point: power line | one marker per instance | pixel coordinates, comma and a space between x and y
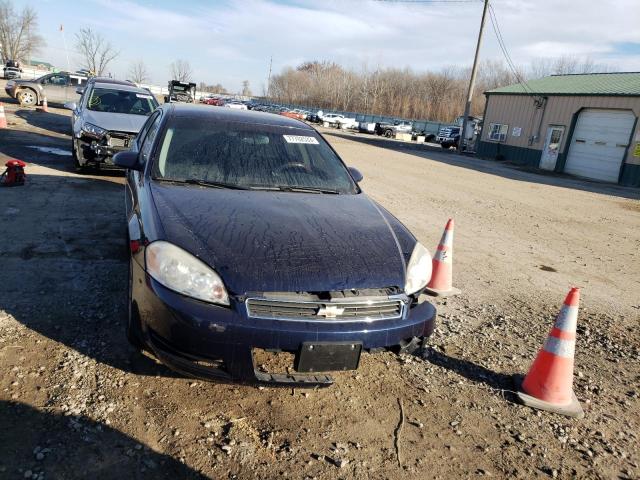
428, 1
502, 44
505, 51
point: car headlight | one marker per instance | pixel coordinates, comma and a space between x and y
182, 272
93, 131
418, 270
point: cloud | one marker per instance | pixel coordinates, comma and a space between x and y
227, 41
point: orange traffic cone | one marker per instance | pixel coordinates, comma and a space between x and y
3, 118
45, 105
441, 283
549, 383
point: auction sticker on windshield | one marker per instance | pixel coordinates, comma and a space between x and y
300, 139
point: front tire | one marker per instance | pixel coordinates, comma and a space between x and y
27, 97
134, 328
80, 168
388, 133
74, 156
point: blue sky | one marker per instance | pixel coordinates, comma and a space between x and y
230, 41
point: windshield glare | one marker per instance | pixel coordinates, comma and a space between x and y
250, 156
121, 101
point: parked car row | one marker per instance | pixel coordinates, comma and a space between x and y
218, 101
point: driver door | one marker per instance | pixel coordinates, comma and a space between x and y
55, 87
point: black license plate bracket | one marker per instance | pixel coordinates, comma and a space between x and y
328, 356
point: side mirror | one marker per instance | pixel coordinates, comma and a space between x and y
355, 173
70, 105
128, 160
80, 90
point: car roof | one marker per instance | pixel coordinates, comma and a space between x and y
111, 81
189, 110
127, 87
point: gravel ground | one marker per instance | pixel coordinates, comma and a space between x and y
77, 402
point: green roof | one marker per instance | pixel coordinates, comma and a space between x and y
625, 83
38, 62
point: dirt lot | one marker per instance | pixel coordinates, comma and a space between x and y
77, 402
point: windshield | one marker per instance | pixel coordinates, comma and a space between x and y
251, 156
180, 88
121, 101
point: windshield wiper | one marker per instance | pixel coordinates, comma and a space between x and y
287, 188
205, 183
278, 188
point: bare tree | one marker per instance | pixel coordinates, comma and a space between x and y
181, 70
18, 32
246, 90
96, 52
138, 72
435, 95
387, 91
217, 88
564, 65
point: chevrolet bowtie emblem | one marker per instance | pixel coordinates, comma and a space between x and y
330, 311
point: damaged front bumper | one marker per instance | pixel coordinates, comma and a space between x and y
101, 151
216, 342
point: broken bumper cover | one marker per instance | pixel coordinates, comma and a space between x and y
215, 342
99, 151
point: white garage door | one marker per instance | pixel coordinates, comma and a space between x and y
598, 144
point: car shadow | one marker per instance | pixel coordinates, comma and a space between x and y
50, 150
473, 372
492, 167
76, 447
64, 266
8, 100
54, 122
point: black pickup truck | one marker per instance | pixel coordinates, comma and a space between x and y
390, 129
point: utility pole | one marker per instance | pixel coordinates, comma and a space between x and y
472, 80
269, 78
64, 40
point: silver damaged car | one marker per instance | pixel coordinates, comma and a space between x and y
106, 119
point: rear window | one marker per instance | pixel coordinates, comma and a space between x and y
121, 101
249, 156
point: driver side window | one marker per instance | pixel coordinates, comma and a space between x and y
146, 145
143, 131
59, 80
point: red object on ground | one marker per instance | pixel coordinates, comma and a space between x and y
441, 283
14, 174
549, 383
45, 105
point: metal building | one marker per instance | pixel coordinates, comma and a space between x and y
582, 124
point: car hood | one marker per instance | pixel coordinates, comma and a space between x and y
118, 122
263, 241
23, 81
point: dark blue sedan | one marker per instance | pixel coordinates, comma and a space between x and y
248, 232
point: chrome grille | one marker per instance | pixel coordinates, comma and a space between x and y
318, 311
